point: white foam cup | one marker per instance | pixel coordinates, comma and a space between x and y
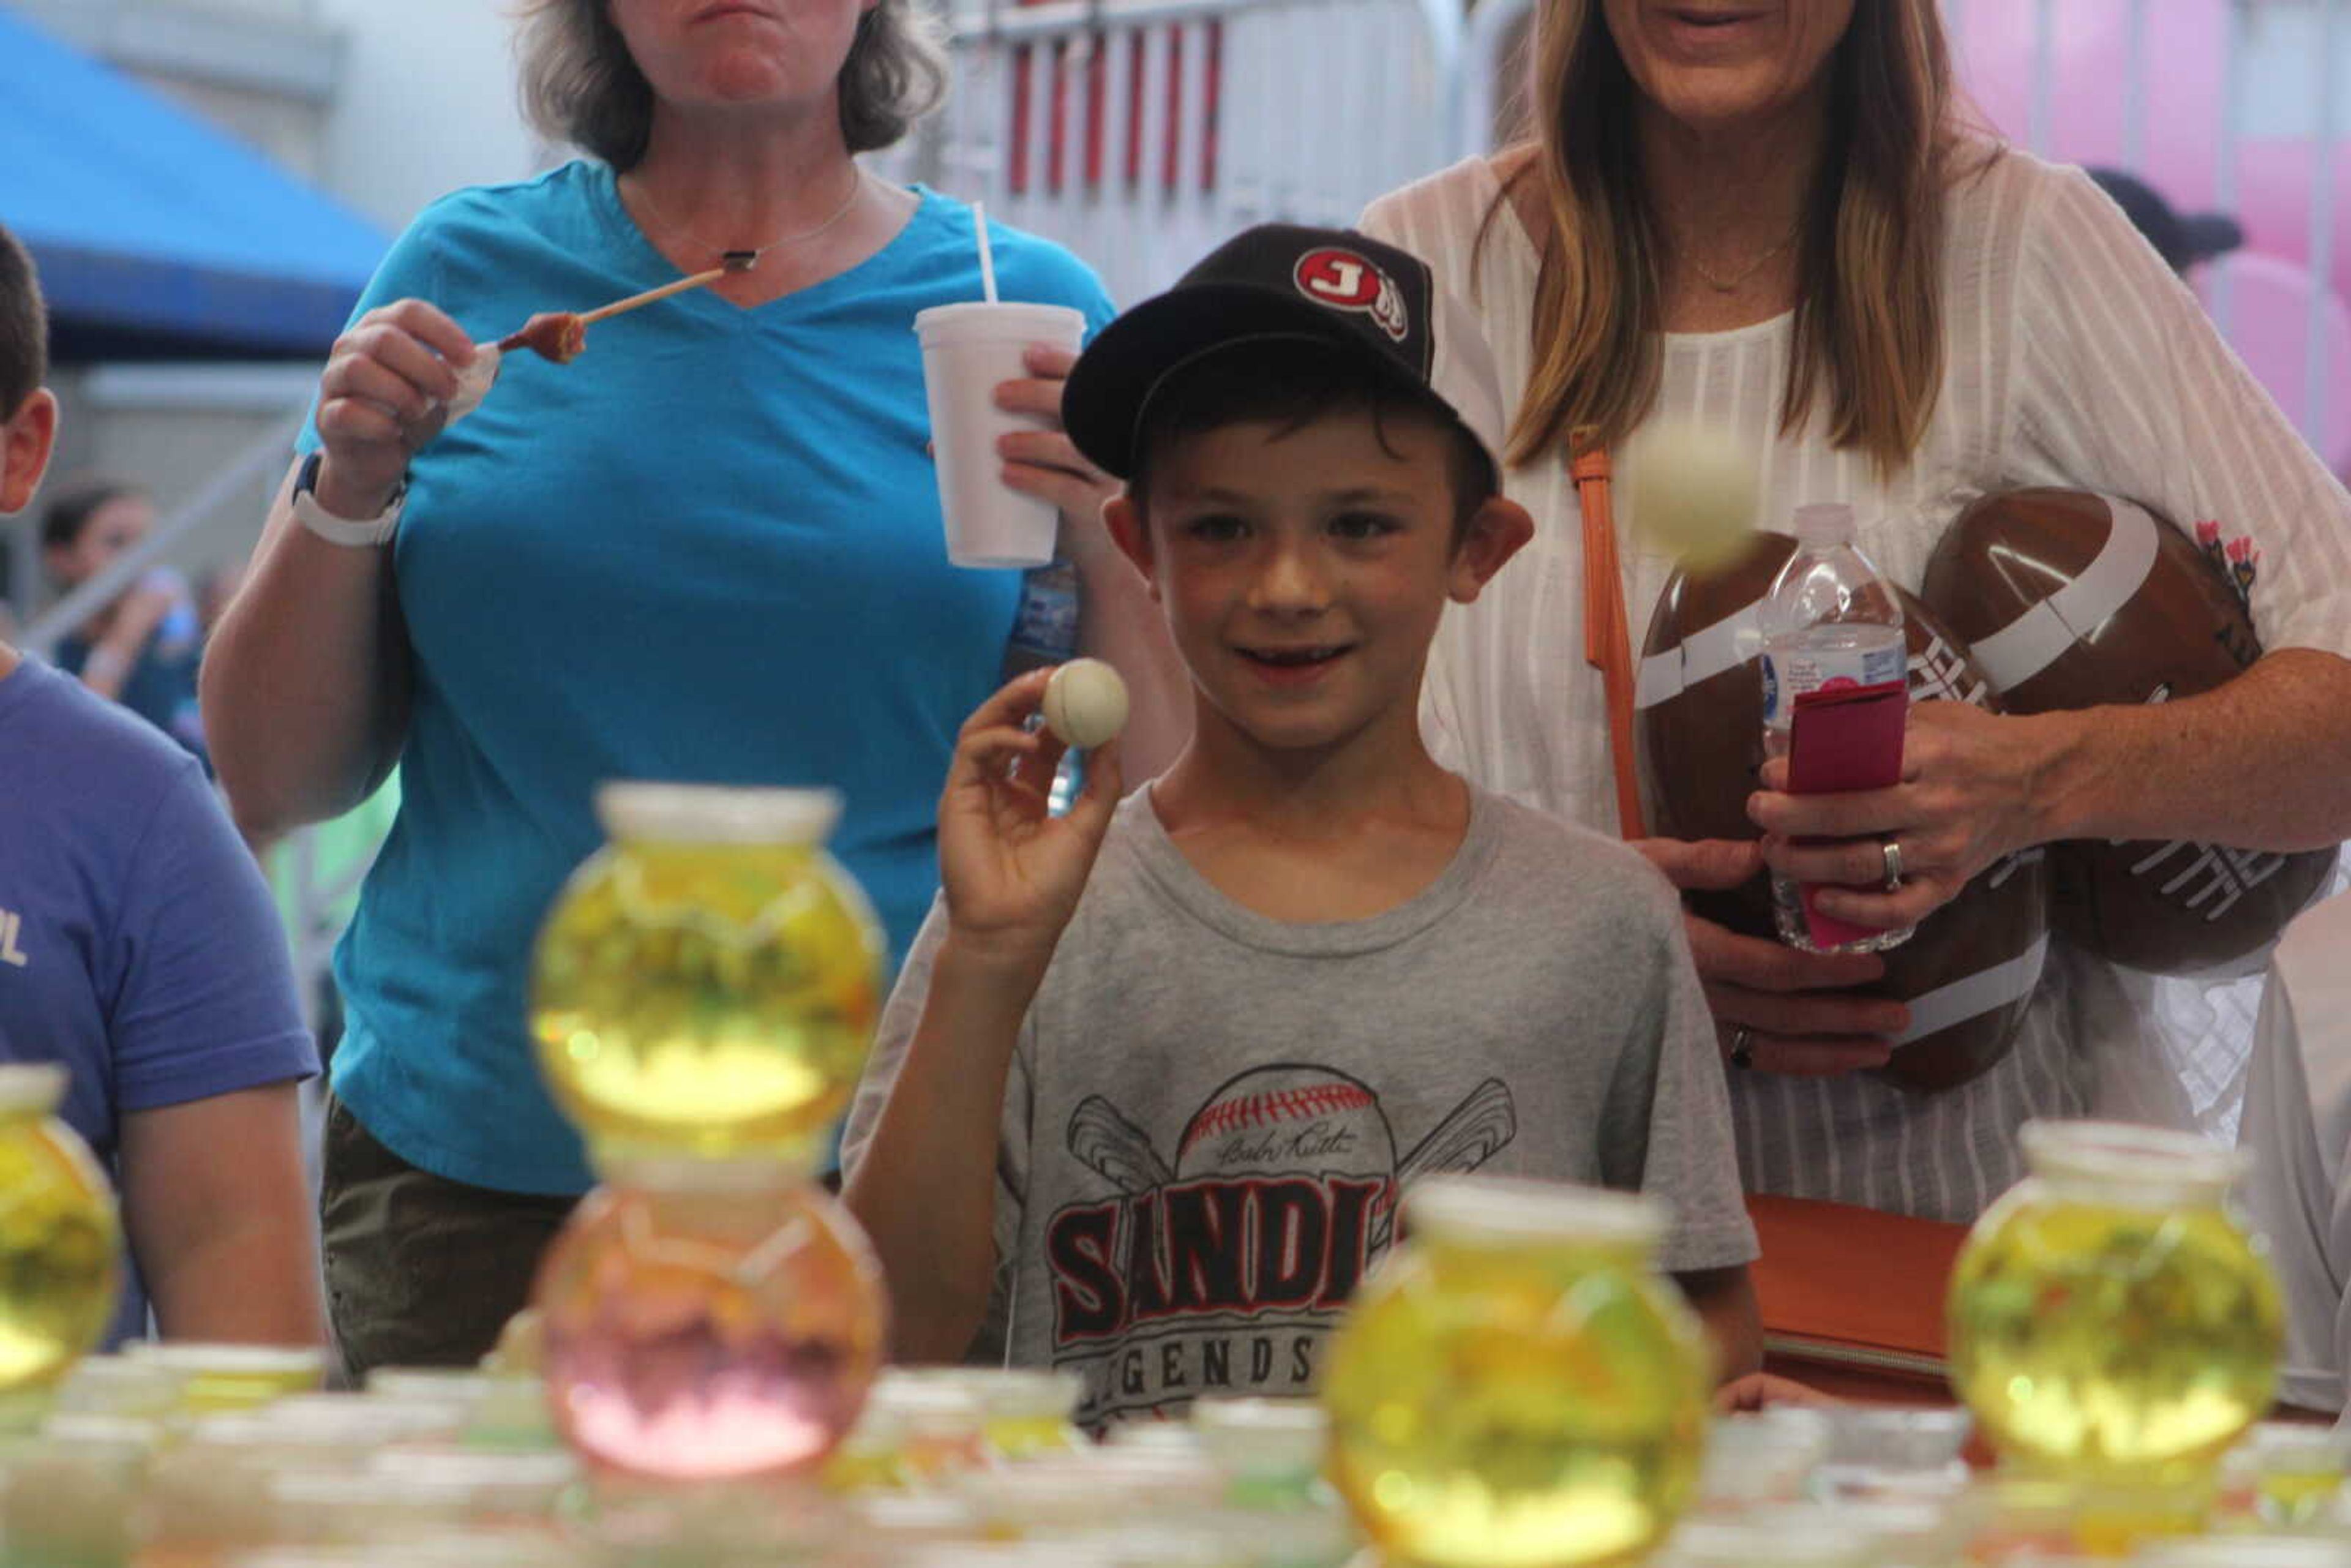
968, 351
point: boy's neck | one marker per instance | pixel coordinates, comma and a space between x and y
1346, 833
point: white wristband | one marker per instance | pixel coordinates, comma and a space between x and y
363, 534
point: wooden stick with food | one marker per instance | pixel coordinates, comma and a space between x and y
561, 335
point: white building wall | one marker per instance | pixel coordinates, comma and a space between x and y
425, 104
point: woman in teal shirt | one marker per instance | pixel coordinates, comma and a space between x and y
710, 549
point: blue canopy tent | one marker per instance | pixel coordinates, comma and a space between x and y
159, 236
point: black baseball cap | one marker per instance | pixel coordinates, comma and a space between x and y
2182, 240
1285, 282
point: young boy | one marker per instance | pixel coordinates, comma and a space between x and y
1146, 1116
138, 949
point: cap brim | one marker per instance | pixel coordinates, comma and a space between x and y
1113, 379
2203, 236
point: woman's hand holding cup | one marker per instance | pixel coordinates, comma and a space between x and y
1045, 462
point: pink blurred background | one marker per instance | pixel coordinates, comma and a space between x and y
2274, 311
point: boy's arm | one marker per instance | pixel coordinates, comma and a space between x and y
1669, 1134
207, 1043
924, 1186
218, 1210
923, 1182
1724, 1300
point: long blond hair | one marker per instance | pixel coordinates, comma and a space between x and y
1868, 320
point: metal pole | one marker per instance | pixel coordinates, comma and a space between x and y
2044, 74
2232, 126
2322, 216
93, 595
2134, 86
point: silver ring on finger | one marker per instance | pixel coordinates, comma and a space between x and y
1742, 1048
1891, 849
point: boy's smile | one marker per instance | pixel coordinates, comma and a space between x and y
1303, 570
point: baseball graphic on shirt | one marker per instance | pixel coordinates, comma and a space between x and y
1220, 1271
1305, 1120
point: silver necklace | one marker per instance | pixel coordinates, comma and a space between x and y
1722, 285
742, 260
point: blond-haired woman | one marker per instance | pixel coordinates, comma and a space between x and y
710, 549
1767, 214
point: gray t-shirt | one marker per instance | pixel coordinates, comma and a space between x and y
1210, 1112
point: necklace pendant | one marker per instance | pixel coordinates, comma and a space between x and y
741, 260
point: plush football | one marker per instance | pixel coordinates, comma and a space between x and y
2069, 600
1971, 968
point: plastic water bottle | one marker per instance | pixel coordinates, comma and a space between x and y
1829, 623
178, 634
1045, 633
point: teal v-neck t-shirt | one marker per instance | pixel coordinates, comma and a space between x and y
708, 549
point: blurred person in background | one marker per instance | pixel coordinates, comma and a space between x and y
710, 551
143, 649
2183, 240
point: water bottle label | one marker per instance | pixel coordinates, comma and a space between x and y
1045, 630
1790, 673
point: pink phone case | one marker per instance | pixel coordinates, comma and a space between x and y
1840, 741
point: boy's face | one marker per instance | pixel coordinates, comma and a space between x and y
114, 528
1303, 571
24, 442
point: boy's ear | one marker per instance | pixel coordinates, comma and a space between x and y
26, 441
1133, 535
1497, 531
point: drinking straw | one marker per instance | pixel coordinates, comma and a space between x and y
987, 256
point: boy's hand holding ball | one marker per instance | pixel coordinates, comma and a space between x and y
1012, 870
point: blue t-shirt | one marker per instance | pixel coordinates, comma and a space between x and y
138, 943
708, 549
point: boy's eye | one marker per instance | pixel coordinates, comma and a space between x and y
1216, 528
1362, 525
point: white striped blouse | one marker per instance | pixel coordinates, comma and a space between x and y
2073, 358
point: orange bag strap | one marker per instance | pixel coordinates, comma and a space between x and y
1607, 636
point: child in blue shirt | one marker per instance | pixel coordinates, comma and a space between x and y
138, 947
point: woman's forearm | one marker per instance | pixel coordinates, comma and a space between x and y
108, 666
305, 684
2263, 763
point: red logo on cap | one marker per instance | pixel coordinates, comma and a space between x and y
1345, 280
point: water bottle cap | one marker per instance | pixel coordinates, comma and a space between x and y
1824, 523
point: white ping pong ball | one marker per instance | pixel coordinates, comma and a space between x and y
1693, 489
1085, 703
